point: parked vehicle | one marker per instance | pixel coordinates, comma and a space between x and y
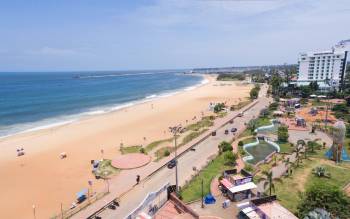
231, 121
226, 132
213, 133
240, 114
234, 130
171, 164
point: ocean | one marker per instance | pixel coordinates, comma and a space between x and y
37, 100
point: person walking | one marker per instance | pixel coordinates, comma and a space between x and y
137, 179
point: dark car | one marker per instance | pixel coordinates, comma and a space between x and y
171, 164
234, 130
213, 133
226, 132
231, 121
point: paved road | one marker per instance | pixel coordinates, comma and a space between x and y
198, 158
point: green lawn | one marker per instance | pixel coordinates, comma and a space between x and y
160, 153
204, 123
241, 104
192, 191
263, 121
245, 133
155, 144
191, 136
288, 191
130, 149
249, 140
105, 169
285, 147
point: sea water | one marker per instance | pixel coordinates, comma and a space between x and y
37, 100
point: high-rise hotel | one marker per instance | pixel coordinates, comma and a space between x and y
326, 67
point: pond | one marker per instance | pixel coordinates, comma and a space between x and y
259, 150
268, 129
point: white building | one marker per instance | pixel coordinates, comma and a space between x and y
326, 66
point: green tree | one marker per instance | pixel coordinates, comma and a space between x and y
297, 152
325, 196
282, 133
231, 158
313, 86
252, 125
305, 91
224, 146
288, 165
254, 93
276, 82
269, 181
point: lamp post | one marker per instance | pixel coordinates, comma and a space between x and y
175, 130
34, 211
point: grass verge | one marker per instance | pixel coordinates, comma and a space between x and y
193, 189
105, 169
288, 191
130, 149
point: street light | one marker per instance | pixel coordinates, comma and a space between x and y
34, 211
175, 130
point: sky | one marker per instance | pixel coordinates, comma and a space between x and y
74, 35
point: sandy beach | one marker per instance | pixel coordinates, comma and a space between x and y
42, 179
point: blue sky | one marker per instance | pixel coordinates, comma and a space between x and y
164, 34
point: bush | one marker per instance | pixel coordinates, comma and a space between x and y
166, 153
254, 93
273, 106
219, 107
225, 146
248, 167
231, 157
240, 143
142, 150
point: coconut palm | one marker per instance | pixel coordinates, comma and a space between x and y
269, 181
301, 142
288, 164
297, 152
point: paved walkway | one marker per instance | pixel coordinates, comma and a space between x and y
154, 175
131, 161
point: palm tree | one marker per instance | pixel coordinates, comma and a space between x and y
288, 164
268, 181
297, 151
301, 142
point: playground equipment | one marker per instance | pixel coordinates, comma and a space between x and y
337, 152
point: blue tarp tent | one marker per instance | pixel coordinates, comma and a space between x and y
81, 196
344, 155
209, 199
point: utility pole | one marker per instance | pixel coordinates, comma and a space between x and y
175, 130
202, 195
61, 211
34, 212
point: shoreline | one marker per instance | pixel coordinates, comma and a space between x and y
96, 111
40, 177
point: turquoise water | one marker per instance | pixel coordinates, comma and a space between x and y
31, 100
260, 151
266, 131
